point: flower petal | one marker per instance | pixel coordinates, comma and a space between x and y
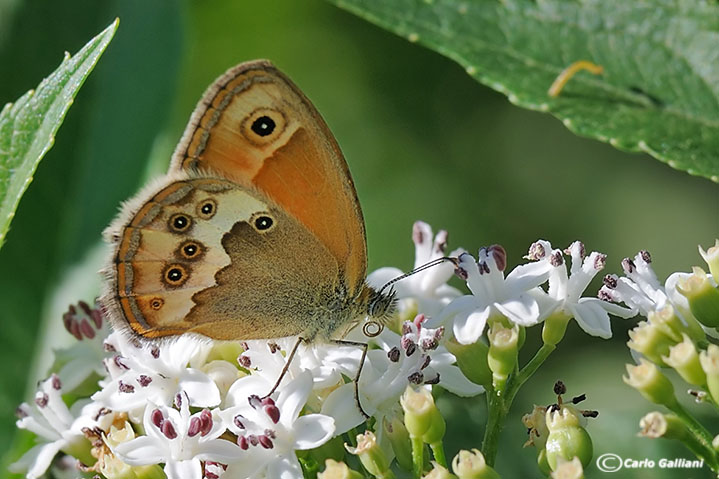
522, 310
592, 318
141, 451
527, 276
284, 467
468, 326
341, 406
293, 397
189, 469
37, 460
313, 430
221, 450
452, 379
200, 388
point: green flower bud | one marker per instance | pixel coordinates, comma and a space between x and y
650, 382
555, 326
399, 439
651, 341
655, 425
419, 409
674, 326
702, 295
471, 465
567, 437
711, 256
683, 357
709, 360
439, 472
338, 470
502, 357
371, 455
472, 360
569, 470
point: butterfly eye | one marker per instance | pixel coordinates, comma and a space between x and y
263, 222
263, 126
190, 250
175, 275
157, 303
179, 223
207, 209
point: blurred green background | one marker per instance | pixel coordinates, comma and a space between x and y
423, 141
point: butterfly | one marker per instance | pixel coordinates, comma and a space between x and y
255, 232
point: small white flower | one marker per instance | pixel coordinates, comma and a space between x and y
327, 362
428, 288
155, 374
494, 294
54, 424
416, 357
639, 289
84, 358
566, 290
180, 441
274, 430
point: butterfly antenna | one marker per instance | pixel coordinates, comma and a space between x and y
451, 259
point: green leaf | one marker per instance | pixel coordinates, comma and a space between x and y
28, 127
659, 92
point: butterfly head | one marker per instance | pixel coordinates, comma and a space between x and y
381, 305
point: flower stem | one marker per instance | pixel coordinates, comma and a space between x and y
438, 452
417, 456
496, 412
499, 404
699, 432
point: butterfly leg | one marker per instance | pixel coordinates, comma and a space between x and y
286, 368
364, 347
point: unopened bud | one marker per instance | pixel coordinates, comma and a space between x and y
655, 425
683, 357
421, 416
711, 256
703, 297
502, 357
709, 360
650, 340
439, 472
370, 455
338, 470
471, 465
650, 382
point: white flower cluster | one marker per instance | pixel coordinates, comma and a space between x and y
199, 409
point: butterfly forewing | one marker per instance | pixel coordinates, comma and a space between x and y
255, 127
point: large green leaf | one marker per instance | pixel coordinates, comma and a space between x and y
660, 89
28, 127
